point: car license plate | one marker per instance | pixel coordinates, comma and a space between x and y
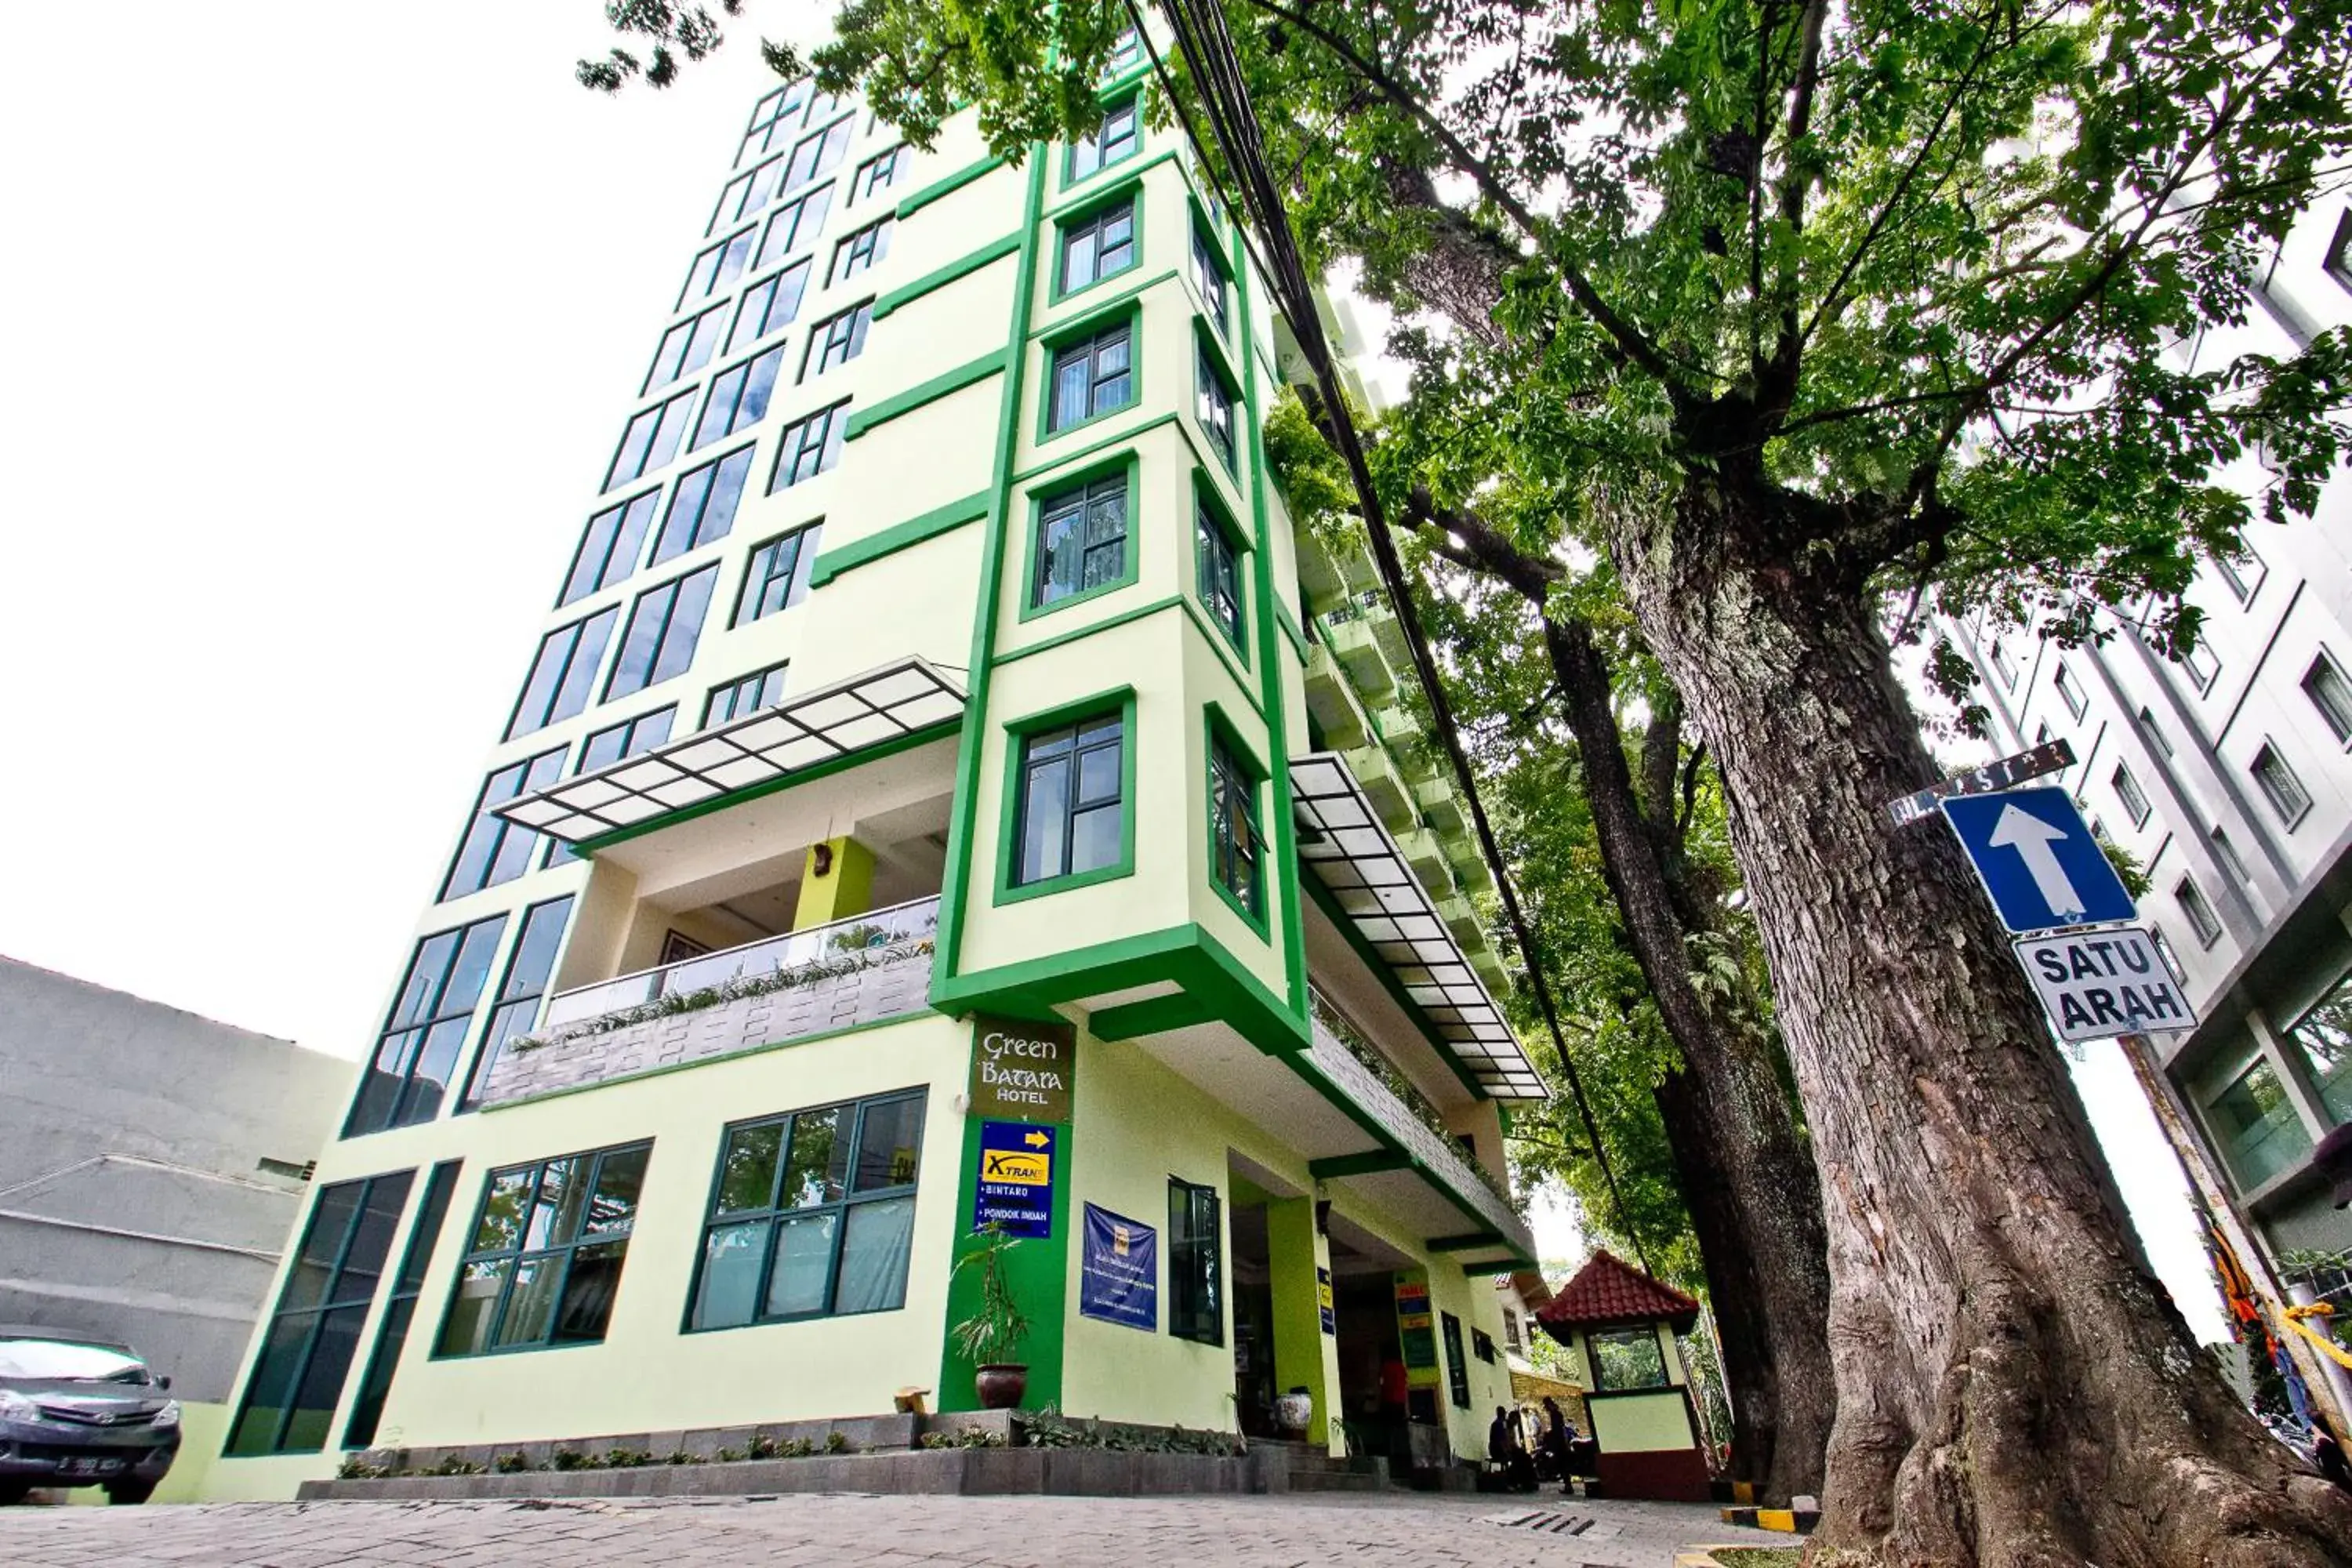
89, 1467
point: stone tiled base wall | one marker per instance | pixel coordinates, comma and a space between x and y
898, 983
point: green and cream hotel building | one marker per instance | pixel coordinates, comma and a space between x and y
940, 753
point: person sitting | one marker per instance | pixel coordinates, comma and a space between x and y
1507, 1453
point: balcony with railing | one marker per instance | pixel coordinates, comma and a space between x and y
858, 971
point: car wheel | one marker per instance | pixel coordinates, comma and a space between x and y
14, 1492
124, 1493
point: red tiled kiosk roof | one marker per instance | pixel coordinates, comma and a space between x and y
1608, 1291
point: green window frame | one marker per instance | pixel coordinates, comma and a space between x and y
1091, 377
425, 1033
835, 341
305, 1354
1119, 138
1213, 406
1101, 243
1236, 838
400, 1307
1220, 554
811, 1214
544, 1261
1196, 1262
860, 250
776, 576
742, 698
809, 447
1209, 277
1069, 798
524, 985
1079, 545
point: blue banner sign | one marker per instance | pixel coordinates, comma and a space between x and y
1118, 1271
1016, 1191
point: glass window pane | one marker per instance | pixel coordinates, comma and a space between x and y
1043, 814
1099, 774
2256, 1125
530, 1305
322, 1243
874, 1250
563, 1203
1095, 838
588, 1291
466, 1331
270, 1389
804, 1260
729, 1294
313, 1410
371, 1246
889, 1144
814, 1170
619, 1178
747, 1174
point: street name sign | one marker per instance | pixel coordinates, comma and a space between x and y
2101, 983
2046, 758
2038, 860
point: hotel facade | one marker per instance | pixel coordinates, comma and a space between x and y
948, 797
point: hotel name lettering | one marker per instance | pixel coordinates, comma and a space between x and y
1022, 1070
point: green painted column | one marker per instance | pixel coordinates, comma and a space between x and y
1304, 1355
836, 882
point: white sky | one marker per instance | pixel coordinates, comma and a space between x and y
370, 301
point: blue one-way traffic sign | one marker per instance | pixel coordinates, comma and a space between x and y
2038, 860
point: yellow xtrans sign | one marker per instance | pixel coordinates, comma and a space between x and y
1020, 1166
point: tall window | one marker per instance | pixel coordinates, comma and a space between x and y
862, 250
1072, 809
2004, 666
650, 441
1457, 1369
629, 738
837, 340
879, 173
2203, 669
702, 507
813, 1214
418, 1049
741, 698
1217, 407
527, 969
716, 267
769, 306
1235, 850
1220, 574
2331, 694
665, 624
400, 1307
687, 348
2154, 732
2242, 574
313, 1335
544, 1262
609, 546
739, 397
2127, 790
496, 850
2227, 854
1125, 51
795, 225
1081, 539
1112, 141
775, 118
776, 578
2280, 786
1095, 246
2070, 690
817, 151
1210, 274
2197, 911
1091, 377
809, 446
746, 194
563, 674
1196, 1272
2255, 1124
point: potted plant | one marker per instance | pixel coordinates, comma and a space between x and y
990, 1337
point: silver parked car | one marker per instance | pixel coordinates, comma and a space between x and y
77, 1412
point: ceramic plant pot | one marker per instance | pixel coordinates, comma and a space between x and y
1293, 1411
1001, 1387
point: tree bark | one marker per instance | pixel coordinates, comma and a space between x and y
1746, 1176
2012, 1388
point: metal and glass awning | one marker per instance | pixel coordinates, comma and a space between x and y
893, 703
1343, 845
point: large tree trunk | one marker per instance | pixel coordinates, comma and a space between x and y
2012, 1388
1745, 1175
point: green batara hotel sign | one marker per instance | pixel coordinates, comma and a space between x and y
1022, 1070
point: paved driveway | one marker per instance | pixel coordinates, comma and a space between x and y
1373, 1531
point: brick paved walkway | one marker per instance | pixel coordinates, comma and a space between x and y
1381, 1530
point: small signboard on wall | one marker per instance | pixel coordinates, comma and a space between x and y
1118, 1270
1323, 1301
1022, 1071
1015, 1187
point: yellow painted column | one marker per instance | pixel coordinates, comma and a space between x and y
836, 882
1304, 1355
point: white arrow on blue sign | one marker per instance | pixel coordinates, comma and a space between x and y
2038, 860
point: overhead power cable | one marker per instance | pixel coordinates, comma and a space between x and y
1208, 52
